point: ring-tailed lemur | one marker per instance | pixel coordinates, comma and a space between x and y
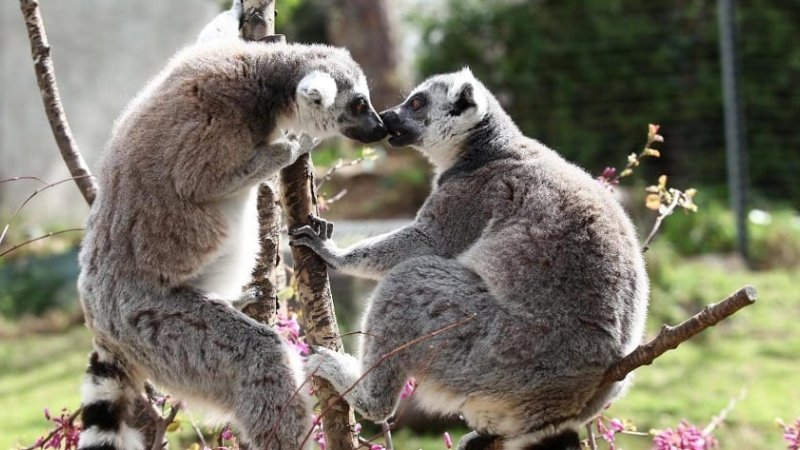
172, 236
532, 248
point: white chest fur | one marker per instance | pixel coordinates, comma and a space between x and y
230, 268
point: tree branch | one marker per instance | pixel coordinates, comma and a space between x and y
297, 183
258, 22
671, 337
43, 65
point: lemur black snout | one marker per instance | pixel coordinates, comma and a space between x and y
388, 117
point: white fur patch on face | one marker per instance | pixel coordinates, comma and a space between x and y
318, 88
361, 86
460, 79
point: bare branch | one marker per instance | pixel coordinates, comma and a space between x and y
25, 202
258, 22
24, 177
45, 76
590, 436
45, 236
311, 272
379, 361
671, 337
387, 435
161, 427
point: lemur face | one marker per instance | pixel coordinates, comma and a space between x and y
329, 106
438, 115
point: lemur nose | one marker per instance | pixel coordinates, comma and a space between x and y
388, 115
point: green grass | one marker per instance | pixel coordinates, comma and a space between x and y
757, 350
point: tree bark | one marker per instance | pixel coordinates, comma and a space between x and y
258, 22
45, 77
311, 272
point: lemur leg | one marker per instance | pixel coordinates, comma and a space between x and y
433, 300
204, 349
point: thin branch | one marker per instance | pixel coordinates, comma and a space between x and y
676, 197
45, 76
339, 165
380, 360
40, 443
30, 241
24, 177
25, 202
198, 432
161, 427
387, 435
671, 337
719, 418
590, 436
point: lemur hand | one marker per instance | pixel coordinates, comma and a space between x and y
317, 237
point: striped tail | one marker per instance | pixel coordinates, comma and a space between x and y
108, 398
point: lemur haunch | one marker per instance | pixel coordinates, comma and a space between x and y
540, 256
172, 237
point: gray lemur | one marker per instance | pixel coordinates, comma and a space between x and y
535, 261
172, 237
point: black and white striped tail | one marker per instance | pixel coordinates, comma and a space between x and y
107, 397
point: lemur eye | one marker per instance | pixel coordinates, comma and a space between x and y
417, 103
359, 106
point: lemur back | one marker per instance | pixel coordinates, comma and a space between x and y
171, 239
530, 267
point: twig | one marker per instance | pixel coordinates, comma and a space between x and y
161, 427
25, 202
719, 418
676, 197
45, 236
671, 337
590, 436
339, 165
387, 435
45, 76
41, 442
383, 358
198, 432
24, 177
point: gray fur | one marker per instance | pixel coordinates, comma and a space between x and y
543, 260
172, 236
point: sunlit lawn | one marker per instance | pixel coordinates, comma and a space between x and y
757, 351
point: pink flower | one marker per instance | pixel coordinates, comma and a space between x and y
408, 388
685, 437
376, 447
791, 434
448, 442
226, 434
357, 428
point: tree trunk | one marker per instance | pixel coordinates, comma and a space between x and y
311, 272
258, 22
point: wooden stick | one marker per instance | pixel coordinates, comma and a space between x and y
45, 76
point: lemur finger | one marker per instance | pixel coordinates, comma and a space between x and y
319, 225
303, 242
329, 230
304, 231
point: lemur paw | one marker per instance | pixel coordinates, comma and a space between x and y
308, 143
340, 369
323, 228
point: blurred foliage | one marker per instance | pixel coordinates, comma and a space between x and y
33, 284
583, 76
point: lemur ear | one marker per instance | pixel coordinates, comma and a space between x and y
317, 88
463, 94
465, 99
